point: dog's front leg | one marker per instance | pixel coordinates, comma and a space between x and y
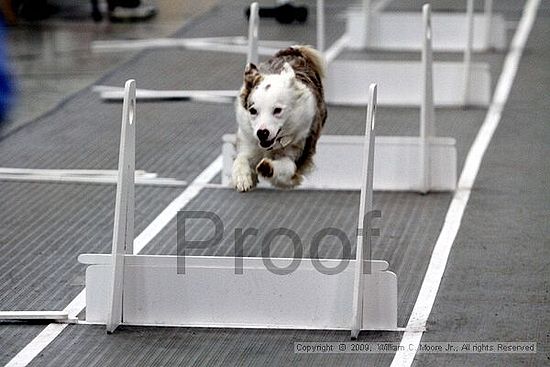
244, 178
281, 172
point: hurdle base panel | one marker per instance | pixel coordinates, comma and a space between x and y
210, 294
397, 163
403, 31
401, 83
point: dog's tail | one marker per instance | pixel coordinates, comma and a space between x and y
314, 57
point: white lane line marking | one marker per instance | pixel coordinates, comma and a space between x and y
170, 212
440, 255
37, 345
46, 336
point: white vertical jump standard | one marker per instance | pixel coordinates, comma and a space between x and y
123, 231
402, 81
399, 30
147, 290
252, 49
253, 34
320, 26
468, 52
363, 244
427, 113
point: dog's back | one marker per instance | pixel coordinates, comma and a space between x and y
308, 64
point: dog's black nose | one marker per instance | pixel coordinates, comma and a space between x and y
263, 134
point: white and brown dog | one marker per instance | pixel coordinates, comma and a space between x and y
280, 114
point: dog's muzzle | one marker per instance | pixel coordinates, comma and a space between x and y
262, 137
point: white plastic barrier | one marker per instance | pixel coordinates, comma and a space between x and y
401, 31
210, 294
397, 160
454, 83
401, 82
147, 290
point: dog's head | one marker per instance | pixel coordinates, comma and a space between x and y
268, 100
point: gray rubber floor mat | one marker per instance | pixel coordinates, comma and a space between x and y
139, 346
179, 140
46, 226
14, 337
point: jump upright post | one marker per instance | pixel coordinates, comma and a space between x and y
123, 231
468, 51
427, 114
363, 246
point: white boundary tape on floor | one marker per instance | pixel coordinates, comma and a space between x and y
442, 249
77, 305
36, 346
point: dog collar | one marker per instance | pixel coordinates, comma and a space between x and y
284, 141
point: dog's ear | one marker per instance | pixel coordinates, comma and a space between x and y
252, 77
250, 73
288, 72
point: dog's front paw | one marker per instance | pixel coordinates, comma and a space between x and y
243, 183
265, 168
243, 180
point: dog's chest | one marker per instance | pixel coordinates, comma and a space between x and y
292, 151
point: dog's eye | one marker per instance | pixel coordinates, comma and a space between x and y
277, 110
252, 111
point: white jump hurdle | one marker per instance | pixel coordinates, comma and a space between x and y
147, 290
402, 163
402, 81
455, 83
400, 31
